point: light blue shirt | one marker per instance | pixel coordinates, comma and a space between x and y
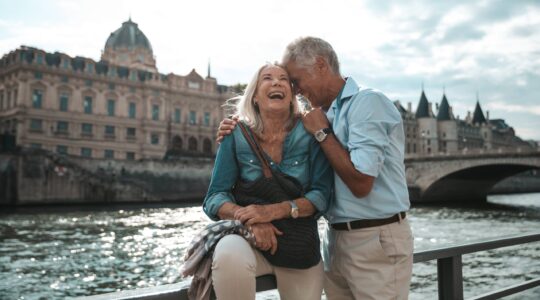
370, 128
302, 159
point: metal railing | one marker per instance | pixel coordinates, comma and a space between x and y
449, 274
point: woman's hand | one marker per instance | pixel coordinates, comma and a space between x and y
253, 214
265, 237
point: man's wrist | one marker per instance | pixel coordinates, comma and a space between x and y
321, 134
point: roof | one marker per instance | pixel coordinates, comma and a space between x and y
478, 115
128, 36
422, 111
444, 110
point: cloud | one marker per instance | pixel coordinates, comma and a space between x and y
506, 107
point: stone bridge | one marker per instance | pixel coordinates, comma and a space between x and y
463, 177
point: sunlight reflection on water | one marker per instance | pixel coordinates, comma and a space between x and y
73, 253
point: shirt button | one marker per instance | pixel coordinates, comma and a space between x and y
251, 160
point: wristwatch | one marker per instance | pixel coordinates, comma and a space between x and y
320, 135
294, 209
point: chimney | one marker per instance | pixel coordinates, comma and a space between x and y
409, 106
451, 111
468, 119
437, 106
430, 109
487, 114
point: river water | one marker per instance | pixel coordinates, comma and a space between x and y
54, 253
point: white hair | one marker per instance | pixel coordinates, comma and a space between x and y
244, 105
304, 51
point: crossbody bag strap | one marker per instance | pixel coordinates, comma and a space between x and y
257, 150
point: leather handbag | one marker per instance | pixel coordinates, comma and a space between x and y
299, 246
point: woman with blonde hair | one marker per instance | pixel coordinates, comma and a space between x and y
272, 176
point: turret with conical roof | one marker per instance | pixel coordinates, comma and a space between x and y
444, 113
422, 111
128, 46
478, 115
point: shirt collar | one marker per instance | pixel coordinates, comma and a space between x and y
347, 91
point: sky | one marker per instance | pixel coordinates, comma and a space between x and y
469, 49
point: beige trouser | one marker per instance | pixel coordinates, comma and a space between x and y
369, 263
236, 264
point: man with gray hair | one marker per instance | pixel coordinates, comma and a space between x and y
368, 248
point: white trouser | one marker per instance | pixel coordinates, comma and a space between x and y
236, 264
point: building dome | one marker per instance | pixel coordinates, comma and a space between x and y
128, 36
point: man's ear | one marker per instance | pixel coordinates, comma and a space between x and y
321, 65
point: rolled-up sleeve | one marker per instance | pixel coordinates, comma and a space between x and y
368, 133
322, 179
224, 177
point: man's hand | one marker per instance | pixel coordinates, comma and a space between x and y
265, 237
315, 120
253, 214
225, 128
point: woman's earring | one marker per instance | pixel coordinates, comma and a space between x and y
256, 106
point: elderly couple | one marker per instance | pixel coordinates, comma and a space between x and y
346, 154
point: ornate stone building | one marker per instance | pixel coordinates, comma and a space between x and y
120, 107
429, 133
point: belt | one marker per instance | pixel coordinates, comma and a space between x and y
358, 224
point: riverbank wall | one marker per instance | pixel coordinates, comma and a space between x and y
35, 177
38, 177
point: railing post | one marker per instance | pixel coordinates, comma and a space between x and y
449, 274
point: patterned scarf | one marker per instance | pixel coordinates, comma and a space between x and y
198, 258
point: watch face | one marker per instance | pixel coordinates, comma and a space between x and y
294, 213
320, 135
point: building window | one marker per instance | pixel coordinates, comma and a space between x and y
132, 110
61, 149
88, 83
87, 105
64, 79
130, 155
429, 142
130, 132
133, 75
193, 85
192, 144
206, 119
86, 152
110, 107
414, 148
65, 63
38, 75
39, 58
155, 112
109, 130
177, 115
112, 71
207, 146
192, 118
111, 86
154, 139
64, 99
37, 99
86, 128
109, 154
62, 126
90, 68
36, 124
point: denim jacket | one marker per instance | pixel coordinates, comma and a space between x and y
302, 158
